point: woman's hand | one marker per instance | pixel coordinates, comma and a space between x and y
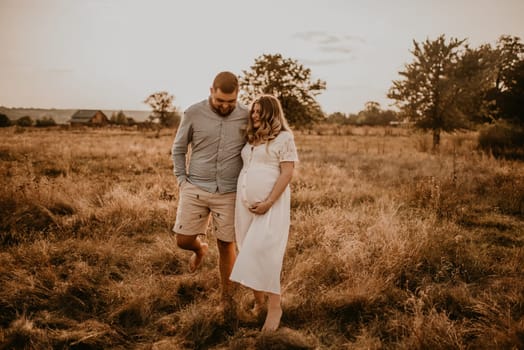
261, 208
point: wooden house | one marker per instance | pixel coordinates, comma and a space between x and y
89, 117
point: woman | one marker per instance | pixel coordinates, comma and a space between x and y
262, 210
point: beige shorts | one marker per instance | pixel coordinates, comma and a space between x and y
196, 206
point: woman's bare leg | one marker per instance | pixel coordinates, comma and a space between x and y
274, 313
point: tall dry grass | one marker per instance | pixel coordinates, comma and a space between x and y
391, 247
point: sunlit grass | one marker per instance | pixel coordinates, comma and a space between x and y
391, 246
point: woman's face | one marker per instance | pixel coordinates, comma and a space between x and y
255, 115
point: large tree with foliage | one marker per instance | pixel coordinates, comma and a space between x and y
507, 95
290, 82
475, 76
511, 100
505, 135
433, 91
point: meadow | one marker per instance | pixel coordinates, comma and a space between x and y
391, 246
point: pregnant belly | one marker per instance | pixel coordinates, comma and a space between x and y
258, 184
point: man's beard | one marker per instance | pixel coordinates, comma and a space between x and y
224, 112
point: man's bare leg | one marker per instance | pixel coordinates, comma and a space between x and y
274, 313
194, 244
226, 259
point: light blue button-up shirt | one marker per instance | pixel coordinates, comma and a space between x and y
207, 146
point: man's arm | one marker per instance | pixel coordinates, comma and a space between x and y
179, 150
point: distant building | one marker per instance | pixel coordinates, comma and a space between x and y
89, 117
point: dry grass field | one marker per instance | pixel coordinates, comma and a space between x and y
391, 246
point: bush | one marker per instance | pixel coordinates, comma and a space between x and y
503, 140
45, 121
4, 121
24, 121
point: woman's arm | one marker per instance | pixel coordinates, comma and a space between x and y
286, 173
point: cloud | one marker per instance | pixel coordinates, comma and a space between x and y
323, 38
336, 48
339, 49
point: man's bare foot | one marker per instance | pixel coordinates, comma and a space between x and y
272, 319
197, 257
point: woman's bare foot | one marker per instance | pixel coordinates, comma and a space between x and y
197, 257
272, 319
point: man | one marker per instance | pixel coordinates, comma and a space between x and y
214, 130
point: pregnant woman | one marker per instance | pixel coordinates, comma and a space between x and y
262, 211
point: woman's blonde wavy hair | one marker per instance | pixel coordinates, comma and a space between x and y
272, 120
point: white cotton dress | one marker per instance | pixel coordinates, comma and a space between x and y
262, 239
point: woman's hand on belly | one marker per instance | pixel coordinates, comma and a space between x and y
261, 208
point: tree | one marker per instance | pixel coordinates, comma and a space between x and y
431, 91
475, 76
507, 96
162, 104
503, 101
119, 118
337, 118
511, 52
4, 121
512, 99
373, 115
163, 111
290, 82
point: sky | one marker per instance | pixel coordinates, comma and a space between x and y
112, 54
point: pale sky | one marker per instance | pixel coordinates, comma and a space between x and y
111, 54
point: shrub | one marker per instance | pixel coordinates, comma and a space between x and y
4, 121
503, 140
45, 121
24, 121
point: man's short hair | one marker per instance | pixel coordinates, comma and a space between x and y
227, 82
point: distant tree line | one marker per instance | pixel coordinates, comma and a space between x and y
372, 115
45, 121
117, 118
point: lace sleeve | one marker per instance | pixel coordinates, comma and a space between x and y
287, 150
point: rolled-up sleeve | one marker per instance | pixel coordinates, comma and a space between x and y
179, 150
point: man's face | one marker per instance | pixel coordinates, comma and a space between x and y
223, 103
